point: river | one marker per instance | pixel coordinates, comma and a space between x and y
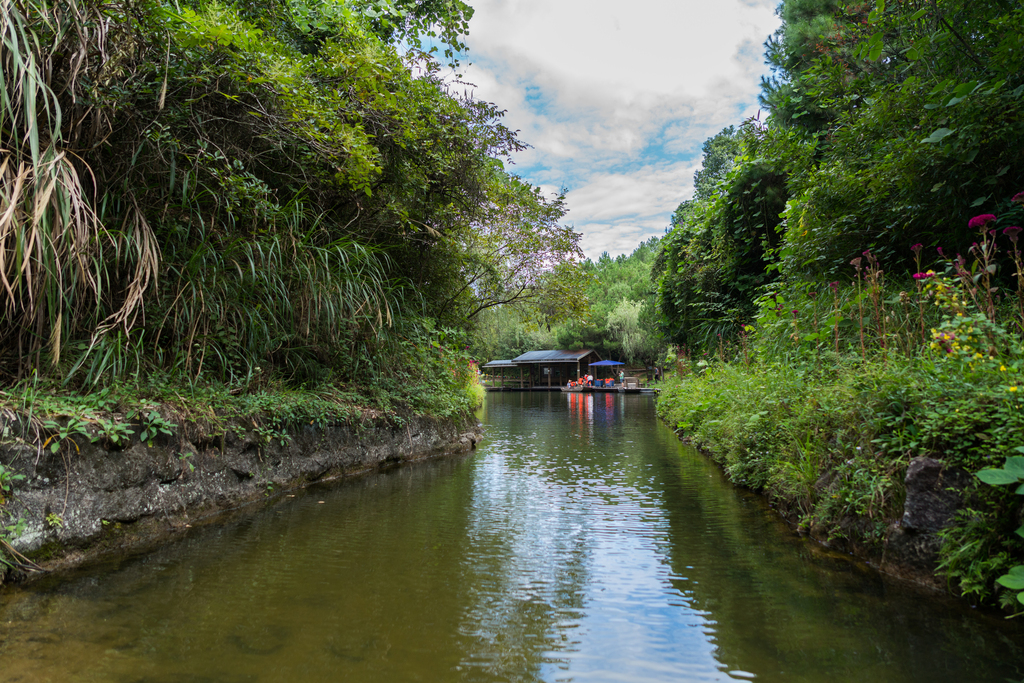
581, 542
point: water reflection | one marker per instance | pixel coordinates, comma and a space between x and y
581, 543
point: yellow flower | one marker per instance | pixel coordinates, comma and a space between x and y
1002, 368
1012, 389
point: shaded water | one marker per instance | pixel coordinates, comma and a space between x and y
582, 542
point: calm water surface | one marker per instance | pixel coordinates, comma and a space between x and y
581, 542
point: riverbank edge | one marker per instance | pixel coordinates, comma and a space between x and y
909, 551
90, 500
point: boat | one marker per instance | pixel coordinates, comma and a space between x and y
574, 390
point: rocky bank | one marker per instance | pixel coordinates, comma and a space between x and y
91, 497
909, 548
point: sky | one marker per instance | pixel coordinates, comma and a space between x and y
616, 99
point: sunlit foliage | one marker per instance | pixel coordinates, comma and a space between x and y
235, 192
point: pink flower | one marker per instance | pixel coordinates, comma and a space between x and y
981, 221
923, 276
939, 249
1018, 198
1012, 232
917, 248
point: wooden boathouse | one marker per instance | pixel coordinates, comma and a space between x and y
538, 370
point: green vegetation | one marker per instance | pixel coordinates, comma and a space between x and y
1012, 472
620, 320
829, 435
256, 195
844, 292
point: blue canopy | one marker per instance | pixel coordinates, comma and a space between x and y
607, 362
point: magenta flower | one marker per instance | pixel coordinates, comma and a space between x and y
923, 276
1013, 232
939, 249
917, 248
980, 221
834, 285
1018, 198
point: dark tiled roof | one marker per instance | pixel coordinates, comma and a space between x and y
552, 356
499, 364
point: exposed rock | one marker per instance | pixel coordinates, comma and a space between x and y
86, 494
935, 492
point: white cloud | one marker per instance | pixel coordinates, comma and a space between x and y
620, 210
616, 104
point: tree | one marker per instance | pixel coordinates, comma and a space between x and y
720, 151
517, 254
639, 341
715, 260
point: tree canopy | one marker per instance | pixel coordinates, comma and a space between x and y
890, 124
226, 191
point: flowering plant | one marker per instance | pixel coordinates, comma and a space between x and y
981, 221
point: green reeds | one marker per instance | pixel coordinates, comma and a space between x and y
55, 253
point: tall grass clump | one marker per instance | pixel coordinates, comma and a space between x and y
62, 270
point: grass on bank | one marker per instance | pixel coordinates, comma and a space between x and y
831, 442
434, 380
825, 402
